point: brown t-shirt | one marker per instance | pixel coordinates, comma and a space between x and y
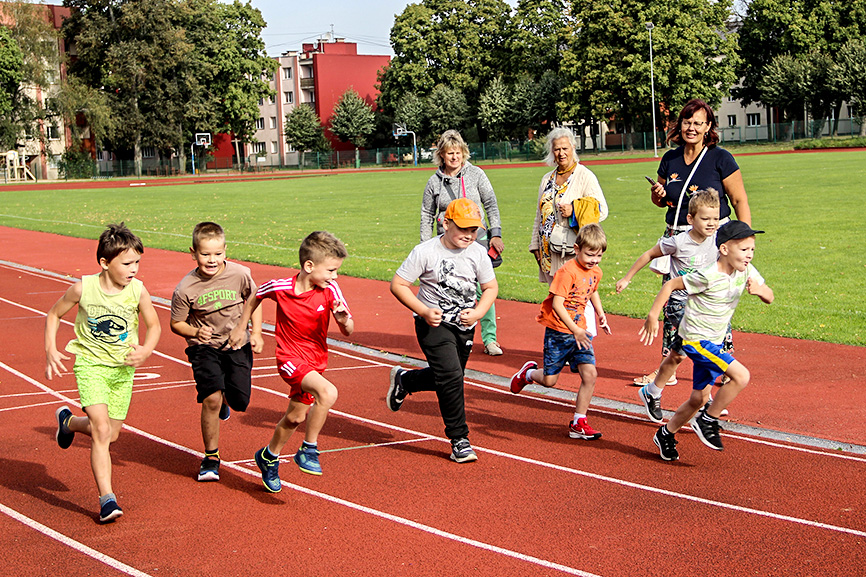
217, 302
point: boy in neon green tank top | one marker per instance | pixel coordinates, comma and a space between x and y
106, 350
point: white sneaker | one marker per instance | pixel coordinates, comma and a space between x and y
647, 379
493, 349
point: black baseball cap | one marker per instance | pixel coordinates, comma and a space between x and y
733, 230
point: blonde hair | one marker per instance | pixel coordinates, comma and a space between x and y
450, 139
591, 237
206, 230
708, 198
320, 245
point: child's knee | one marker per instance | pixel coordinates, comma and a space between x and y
213, 402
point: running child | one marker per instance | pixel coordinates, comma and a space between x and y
689, 251
305, 304
713, 294
566, 339
446, 312
106, 350
206, 305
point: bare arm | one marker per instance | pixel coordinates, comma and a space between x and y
238, 335
344, 320
402, 290
54, 358
762, 291
256, 341
580, 335
595, 299
736, 191
650, 328
141, 353
641, 262
489, 290
658, 194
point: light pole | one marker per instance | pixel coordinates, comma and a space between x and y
649, 27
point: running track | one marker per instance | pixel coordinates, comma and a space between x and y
390, 501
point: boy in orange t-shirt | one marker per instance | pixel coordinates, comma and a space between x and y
566, 339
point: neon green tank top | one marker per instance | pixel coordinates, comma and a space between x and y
106, 326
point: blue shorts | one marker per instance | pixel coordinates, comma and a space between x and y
561, 348
710, 362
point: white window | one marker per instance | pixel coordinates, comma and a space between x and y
260, 123
753, 119
287, 73
148, 151
289, 97
258, 147
274, 147
732, 119
273, 121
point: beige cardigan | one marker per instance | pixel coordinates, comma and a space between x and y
583, 183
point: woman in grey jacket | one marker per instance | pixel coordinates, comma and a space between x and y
456, 178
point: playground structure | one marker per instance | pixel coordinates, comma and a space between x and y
16, 167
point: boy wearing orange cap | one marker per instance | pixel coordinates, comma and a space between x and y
448, 267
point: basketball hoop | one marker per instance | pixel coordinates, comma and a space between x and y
203, 138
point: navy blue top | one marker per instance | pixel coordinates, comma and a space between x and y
717, 165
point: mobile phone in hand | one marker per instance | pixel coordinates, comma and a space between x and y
650, 180
492, 252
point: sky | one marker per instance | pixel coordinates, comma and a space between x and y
367, 22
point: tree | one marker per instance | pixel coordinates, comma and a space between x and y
353, 120
781, 85
494, 109
446, 108
11, 73
607, 68
538, 38
412, 111
304, 130
848, 75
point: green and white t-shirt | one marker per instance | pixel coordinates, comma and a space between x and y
712, 300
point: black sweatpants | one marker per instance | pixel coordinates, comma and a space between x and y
447, 350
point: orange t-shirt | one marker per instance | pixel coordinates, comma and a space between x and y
576, 284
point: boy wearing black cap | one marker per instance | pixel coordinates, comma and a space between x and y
448, 267
713, 294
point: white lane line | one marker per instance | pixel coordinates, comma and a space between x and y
69, 542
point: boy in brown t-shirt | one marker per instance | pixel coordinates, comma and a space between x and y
206, 305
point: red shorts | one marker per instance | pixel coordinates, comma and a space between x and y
293, 371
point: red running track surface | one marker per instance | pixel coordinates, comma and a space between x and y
390, 501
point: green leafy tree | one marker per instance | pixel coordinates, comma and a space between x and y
353, 121
412, 111
446, 109
782, 86
494, 109
607, 70
848, 75
304, 130
11, 73
538, 38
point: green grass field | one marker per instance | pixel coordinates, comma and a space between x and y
811, 206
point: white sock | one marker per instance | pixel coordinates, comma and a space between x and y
578, 416
528, 377
654, 391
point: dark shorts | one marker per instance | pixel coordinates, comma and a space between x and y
226, 370
561, 348
710, 362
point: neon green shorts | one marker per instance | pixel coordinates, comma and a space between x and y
100, 384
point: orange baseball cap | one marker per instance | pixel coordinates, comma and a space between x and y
464, 213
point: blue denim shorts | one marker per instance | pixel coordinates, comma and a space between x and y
561, 348
710, 362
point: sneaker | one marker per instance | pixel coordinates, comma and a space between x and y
667, 444
493, 349
724, 412
652, 405
396, 392
461, 451
647, 379
307, 459
64, 436
225, 412
582, 430
519, 380
707, 430
270, 471
110, 511
209, 470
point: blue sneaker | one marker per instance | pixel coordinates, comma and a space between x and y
225, 412
270, 471
64, 436
110, 511
307, 459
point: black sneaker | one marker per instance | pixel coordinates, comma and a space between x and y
707, 430
64, 436
110, 511
209, 470
396, 392
225, 412
652, 405
461, 451
667, 444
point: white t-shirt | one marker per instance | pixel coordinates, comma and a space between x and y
688, 256
713, 298
447, 277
